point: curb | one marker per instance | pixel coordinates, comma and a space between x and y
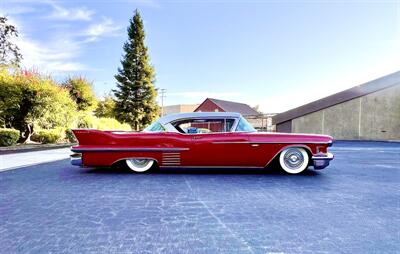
32, 148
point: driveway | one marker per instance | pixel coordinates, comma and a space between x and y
353, 206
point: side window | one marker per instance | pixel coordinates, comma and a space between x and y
229, 124
195, 126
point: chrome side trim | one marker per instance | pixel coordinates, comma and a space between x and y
266, 142
171, 159
128, 149
211, 167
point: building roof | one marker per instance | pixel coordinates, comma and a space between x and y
173, 117
337, 98
231, 106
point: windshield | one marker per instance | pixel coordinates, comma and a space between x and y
244, 126
154, 127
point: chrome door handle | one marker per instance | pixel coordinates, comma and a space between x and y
255, 145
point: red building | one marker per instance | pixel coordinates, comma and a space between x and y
214, 105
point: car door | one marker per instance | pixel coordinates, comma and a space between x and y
221, 149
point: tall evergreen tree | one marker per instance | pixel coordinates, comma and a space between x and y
135, 96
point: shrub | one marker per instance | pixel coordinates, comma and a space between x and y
102, 123
81, 92
105, 108
47, 136
29, 101
8, 137
86, 121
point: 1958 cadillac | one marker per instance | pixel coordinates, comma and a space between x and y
203, 139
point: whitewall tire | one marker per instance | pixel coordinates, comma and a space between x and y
294, 160
139, 165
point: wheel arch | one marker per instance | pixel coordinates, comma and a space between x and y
276, 156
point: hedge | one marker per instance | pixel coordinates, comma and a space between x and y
8, 137
47, 136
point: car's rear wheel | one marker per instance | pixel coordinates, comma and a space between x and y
139, 165
294, 160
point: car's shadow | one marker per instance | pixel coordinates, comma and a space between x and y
271, 171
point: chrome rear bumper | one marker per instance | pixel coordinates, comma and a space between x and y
322, 160
76, 159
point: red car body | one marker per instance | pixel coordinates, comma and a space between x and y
175, 149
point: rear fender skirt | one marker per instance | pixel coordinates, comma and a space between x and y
126, 158
292, 145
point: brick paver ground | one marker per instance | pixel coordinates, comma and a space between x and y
351, 207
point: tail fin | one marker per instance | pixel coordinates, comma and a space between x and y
91, 137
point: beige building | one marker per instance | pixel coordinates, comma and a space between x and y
180, 108
370, 111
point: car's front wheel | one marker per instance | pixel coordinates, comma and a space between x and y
294, 160
139, 165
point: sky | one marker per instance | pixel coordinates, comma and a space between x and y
273, 54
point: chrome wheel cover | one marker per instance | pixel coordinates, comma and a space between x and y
293, 158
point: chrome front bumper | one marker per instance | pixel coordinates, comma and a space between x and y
76, 159
322, 160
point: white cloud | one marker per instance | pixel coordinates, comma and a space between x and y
71, 14
59, 52
54, 57
106, 28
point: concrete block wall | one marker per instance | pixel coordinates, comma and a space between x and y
375, 116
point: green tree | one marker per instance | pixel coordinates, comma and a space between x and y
81, 91
135, 94
28, 100
105, 108
9, 52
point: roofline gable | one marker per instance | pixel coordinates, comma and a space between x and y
340, 97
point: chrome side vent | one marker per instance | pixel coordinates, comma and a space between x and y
171, 159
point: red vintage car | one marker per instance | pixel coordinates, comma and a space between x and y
202, 139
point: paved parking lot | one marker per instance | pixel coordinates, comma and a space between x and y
353, 206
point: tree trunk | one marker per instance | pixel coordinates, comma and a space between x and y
25, 134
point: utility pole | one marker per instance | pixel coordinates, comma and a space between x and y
162, 94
